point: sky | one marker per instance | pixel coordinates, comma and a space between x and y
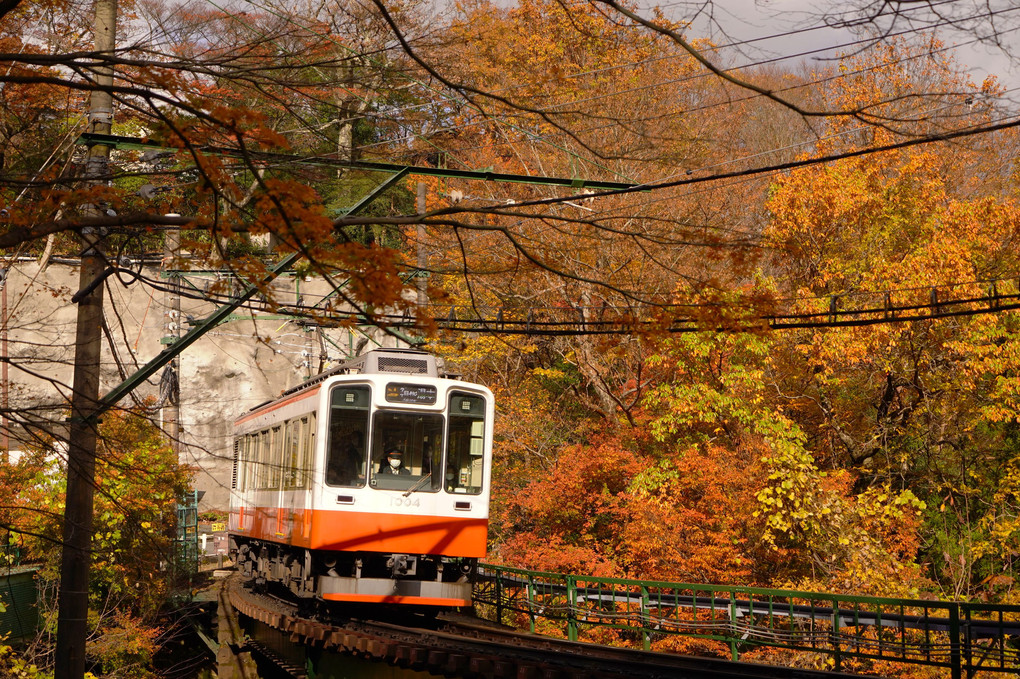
751, 20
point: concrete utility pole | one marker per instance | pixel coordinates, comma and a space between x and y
73, 598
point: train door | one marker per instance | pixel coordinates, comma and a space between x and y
277, 513
298, 444
241, 503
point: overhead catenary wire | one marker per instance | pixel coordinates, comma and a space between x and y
758, 154
1005, 122
833, 311
427, 86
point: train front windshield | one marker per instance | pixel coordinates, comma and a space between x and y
406, 450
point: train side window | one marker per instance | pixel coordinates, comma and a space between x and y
347, 455
251, 456
244, 480
262, 465
248, 454
465, 453
301, 453
292, 454
276, 463
309, 450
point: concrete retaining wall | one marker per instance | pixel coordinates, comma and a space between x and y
234, 367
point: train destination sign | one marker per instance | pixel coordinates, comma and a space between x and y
419, 394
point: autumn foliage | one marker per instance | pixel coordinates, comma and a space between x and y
139, 484
661, 429
869, 460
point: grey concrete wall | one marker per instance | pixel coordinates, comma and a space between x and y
234, 367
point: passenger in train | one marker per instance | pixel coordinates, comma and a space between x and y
393, 463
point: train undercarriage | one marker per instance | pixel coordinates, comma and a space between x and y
358, 577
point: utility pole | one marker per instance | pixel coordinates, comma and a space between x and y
73, 598
5, 423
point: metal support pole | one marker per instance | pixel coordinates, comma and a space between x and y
499, 596
423, 256
170, 388
837, 652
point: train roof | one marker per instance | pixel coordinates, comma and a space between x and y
392, 361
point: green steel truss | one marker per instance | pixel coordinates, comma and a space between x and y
119, 142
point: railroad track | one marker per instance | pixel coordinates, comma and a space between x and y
457, 648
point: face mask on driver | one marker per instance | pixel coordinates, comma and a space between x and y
394, 462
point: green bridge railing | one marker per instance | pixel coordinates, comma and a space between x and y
963, 638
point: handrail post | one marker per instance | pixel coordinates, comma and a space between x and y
734, 652
531, 600
646, 634
499, 596
571, 609
955, 642
836, 654
968, 660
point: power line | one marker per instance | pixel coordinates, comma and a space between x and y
550, 107
1011, 121
882, 314
710, 106
850, 309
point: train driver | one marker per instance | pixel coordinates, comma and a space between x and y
393, 463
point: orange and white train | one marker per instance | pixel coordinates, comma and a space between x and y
368, 483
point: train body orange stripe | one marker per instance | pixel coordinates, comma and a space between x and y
395, 599
350, 531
